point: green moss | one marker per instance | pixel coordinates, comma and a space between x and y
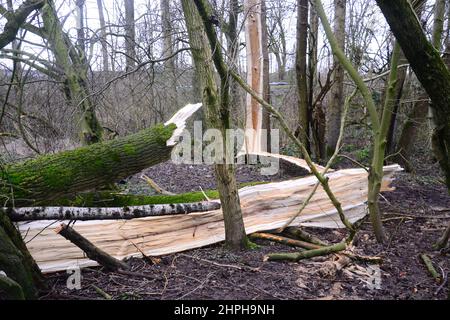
108, 199
129, 150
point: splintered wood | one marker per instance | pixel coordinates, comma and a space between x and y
264, 207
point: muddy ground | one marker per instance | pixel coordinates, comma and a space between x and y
415, 215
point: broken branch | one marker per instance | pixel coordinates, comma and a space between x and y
90, 249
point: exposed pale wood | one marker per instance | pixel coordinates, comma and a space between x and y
255, 74
90, 249
265, 207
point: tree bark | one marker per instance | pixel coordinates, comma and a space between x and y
113, 213
167, 33
51, 177
103, 33
297, 256
302, 86
421, 109
265, 76
16, 261
14, 20
75, 69
204, 48
337, 91
429, 68
130, 35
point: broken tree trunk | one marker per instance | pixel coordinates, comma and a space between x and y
264, 207
114, 213
91, 251
51, 177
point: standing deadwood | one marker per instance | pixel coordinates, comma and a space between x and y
429, 68
266, 85
15, 19
217, 110
130, 35
90, 249
333, 113
255, 73
103, 33
302, 86
75, 70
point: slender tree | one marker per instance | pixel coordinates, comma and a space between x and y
333, 113
130, 35
301, 72
205, 48
103, 33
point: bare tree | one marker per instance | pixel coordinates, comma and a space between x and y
103, 34
337, 92
301, 72
130, 35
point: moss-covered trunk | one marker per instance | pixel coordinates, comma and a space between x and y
54, 176
16, 262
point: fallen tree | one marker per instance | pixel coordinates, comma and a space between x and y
51, 177
264, 207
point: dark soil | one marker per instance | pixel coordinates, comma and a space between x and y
415, 215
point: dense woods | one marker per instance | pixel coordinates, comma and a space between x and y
312, 88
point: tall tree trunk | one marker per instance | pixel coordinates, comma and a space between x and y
217, 111
130, 35
81, 35
429, 68
233, 43
103, 34
337, 91
421, 109
169, 64
302, 86
74, 67
317, 116
266, 86
401, 78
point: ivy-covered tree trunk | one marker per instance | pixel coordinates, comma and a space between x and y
51, 177
217, 114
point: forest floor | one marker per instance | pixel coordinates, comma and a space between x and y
415, 215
